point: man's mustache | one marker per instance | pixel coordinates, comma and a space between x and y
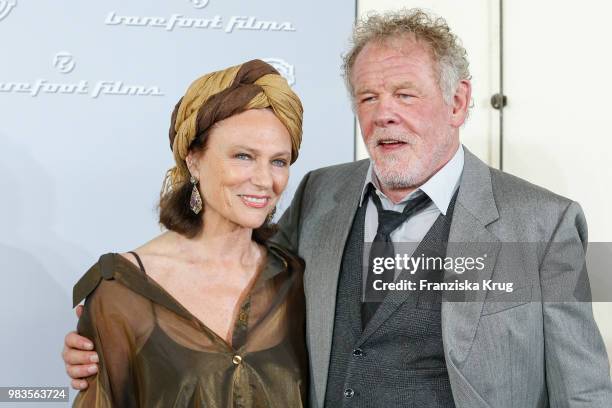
385, 135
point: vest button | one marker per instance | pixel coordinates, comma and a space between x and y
358, 352
237, 359
348, 393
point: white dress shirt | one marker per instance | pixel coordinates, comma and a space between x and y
440, 188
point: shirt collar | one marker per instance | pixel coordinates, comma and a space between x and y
440, 187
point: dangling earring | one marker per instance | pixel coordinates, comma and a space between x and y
195, 202
270, 216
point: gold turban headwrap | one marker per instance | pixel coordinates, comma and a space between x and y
221, 94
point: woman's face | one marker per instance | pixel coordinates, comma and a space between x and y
244, 168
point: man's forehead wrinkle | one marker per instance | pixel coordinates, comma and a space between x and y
393, 76
390, 67
393, 61
396, 66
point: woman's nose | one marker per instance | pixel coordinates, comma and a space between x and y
262, 176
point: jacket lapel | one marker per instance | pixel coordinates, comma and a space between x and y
474, 211
333, 223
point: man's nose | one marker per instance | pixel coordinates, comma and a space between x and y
386, 112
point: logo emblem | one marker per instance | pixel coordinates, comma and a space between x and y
283, 68
6, 6
64, 62
199, 4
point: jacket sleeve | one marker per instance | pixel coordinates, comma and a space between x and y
105, 322
289, 224
577, 368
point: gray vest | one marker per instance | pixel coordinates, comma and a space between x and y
397, 360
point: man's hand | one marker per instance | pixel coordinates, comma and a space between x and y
78, 356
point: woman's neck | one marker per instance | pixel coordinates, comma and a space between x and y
221, 241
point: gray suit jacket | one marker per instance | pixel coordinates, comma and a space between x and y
502, 350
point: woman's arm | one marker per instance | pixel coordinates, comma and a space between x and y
104, 322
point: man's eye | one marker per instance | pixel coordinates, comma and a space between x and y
405, 96
242, 156
279, 163
367, 99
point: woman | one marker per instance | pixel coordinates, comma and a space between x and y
207, 313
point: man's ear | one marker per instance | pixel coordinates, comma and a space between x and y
461, 103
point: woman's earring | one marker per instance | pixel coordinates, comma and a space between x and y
270, 216
195, 202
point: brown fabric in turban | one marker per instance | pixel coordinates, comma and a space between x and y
219, 95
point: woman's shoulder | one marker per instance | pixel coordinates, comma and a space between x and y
91, 279
111, 268
289, 260
111, 274
112, 294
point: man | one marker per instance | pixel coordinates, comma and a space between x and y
409, 80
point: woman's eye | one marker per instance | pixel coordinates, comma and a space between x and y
242, 156
279, 162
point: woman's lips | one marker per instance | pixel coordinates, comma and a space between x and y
255, 201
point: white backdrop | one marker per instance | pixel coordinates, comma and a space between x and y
86, 92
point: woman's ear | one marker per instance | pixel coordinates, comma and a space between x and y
192, 163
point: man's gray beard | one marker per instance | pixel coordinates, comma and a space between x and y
393, 178
412, 176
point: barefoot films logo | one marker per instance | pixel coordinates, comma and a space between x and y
216, 22
65, 63
199, 4
283, 67
6, 6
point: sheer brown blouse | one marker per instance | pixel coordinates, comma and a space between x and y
154, 353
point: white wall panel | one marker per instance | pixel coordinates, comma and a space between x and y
557, 122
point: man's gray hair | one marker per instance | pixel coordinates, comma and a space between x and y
445, 47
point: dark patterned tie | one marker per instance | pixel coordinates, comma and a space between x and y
382, 247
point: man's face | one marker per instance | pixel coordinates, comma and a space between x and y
408, 128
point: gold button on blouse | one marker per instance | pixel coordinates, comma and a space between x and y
237, 359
